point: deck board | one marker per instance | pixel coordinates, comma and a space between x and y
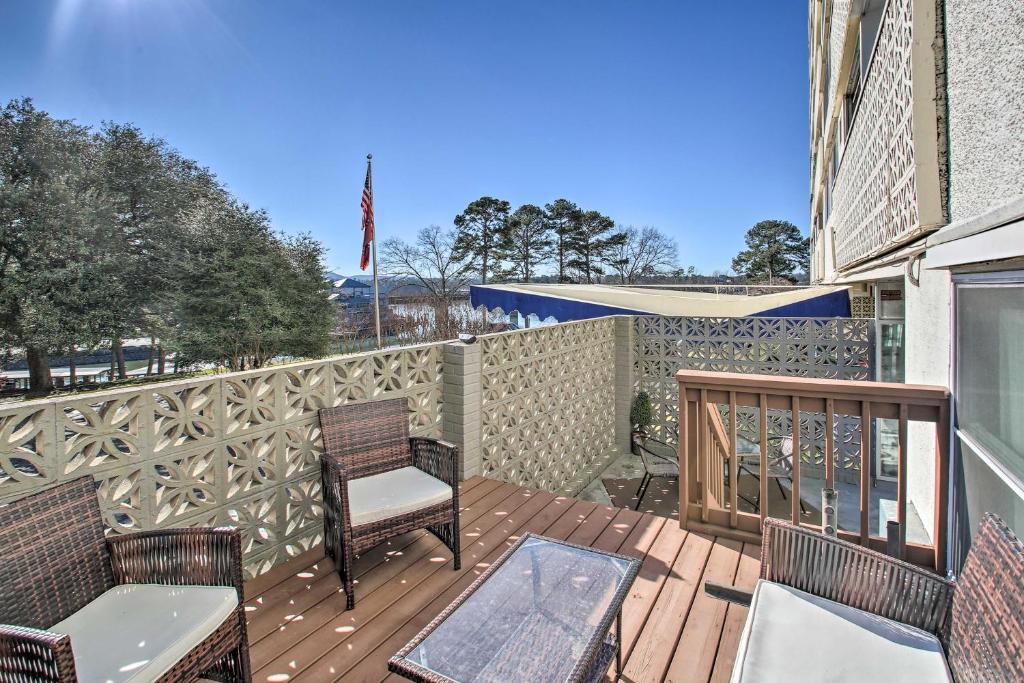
300, 631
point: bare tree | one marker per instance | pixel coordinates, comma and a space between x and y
644, 253
432, 261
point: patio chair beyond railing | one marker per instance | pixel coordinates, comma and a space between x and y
379, 483
151, 606
828, 609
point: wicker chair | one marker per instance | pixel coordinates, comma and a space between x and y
835, 592
77, 606
379, 483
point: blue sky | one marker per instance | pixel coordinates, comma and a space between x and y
688, 116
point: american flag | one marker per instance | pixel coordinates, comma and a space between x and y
367, 204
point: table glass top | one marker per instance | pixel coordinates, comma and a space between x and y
530, 620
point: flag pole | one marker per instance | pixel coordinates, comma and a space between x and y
373, 247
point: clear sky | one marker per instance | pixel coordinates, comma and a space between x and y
688, 116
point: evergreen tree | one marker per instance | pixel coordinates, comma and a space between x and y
246, 295
527, 242
113, 234
138, 186
563, 219
52, 269
480, 232
775, 249
594, 243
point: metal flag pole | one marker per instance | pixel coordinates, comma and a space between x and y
373, 248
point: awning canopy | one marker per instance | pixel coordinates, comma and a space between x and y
577, 302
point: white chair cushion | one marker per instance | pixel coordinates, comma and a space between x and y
136, 632
793, 636
393, 493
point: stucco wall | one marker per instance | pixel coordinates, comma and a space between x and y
985, 57
927, 362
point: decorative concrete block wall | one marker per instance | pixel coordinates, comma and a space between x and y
546, 408
237, 449
836, 348
548, 404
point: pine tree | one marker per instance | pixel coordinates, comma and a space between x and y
563, 218
593, 244
480, 230
775, 249
527, 243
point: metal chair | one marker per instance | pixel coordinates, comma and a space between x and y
780, 465
659, 460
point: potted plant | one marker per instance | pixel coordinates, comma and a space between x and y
640, 418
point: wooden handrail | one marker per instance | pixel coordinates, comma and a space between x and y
708, 448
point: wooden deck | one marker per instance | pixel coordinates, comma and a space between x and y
300, 630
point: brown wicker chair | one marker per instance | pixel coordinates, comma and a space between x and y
370, 440
56, 563
978, 620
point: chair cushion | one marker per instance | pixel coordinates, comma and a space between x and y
791, 635
136, 632
394, 493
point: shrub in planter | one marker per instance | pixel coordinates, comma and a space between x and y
640, 416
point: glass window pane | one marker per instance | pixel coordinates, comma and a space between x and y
990, 371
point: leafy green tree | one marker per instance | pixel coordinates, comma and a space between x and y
593, 244
775, 249
563, 219
480, 229
247, 295
138, 184
52, 213
193, 189
526, 243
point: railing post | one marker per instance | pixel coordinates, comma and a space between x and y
460, 396
687, 449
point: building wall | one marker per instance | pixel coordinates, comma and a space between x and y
887, 168
928, 328
985, 55
986, 103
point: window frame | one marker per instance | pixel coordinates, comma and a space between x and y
989, 279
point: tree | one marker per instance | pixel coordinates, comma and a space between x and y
480, 229
593, 244
527, 242
52, 276
139, 187
434, 262
247, 295
774, 249
643, 253
563, 218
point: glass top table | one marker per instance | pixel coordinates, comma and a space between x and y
542, 612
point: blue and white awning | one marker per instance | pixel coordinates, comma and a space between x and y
578, 302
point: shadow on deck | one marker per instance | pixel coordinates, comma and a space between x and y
299, 630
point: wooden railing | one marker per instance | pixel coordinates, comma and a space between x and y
708, 452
